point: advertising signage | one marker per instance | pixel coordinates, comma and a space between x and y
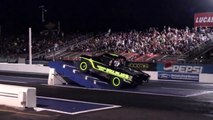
186, 68
203, 19
142, 66
185, 72
178, 76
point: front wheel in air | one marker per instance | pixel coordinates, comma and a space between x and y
83, 66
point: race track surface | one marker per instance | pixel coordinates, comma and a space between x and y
162, 100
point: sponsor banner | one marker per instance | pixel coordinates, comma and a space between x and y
203, 19
180, 68
142, 66
185, 68
207, 68
178, 76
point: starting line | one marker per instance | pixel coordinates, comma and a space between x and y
71, 107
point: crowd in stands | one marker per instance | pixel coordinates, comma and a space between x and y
18, 45
169, 41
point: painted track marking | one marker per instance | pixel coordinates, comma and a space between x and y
107, 106
199, 92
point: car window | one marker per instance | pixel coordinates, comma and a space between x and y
104, 60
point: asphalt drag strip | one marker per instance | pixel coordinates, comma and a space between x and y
155, 94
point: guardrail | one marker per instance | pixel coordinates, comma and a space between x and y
202, 77
17, 96
25, 68
153, 75
206, 78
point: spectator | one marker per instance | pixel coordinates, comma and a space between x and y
170, 41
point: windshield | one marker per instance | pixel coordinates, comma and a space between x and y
117, 62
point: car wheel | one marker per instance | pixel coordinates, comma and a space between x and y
116, 82
84, 67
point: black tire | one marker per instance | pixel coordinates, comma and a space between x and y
116, 82
84, 66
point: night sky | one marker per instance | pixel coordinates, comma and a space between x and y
100, 15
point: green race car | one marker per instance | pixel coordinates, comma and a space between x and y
113, 68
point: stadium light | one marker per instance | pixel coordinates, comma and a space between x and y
43, 10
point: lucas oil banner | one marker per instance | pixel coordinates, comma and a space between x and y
203, 19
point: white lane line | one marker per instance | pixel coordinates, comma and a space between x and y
9, 81
109, 106
122, 91
200, 93
38, 109
74, 113
93, 110
197, 92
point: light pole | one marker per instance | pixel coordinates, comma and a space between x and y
43, 10
30, 46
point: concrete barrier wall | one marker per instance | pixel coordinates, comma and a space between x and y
8, 67
203, 78
17, 96
153, 74
40, 69
206, 78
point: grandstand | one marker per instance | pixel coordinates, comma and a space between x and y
202, 53
169, 45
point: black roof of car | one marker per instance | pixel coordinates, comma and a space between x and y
112, 55
106, 55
